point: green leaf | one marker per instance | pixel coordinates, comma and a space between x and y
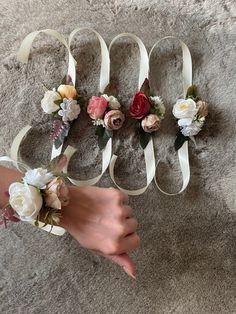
145, 88
144, 137
192, 92
180, 140
58, 102
103, 136
111, 89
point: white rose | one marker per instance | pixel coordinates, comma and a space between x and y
192, 129
26, 200
185, 109
47, 103
113, 101
38, 177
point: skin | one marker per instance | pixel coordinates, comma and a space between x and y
100, 219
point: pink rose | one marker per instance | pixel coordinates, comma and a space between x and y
56, 194
97, 107
114, 119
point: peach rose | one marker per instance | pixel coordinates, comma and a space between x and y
97, 107
114, 119
67, 91
56, 194
202, 107
151, 123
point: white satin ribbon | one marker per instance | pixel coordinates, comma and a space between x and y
105, 58
144, 60
149, 150
23, 56
106, 157
49, 228
103, 82
187, 82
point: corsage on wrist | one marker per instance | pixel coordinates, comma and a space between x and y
190, 114
105, 113
39, 197
149, 111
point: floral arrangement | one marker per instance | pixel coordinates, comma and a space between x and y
63, 104
39, 196
105, 113
148, 110
190, 114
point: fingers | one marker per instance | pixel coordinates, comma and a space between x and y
129, 243
119, 196
122, 260
128, 211
131, 226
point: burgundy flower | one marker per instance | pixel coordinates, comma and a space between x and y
140, 106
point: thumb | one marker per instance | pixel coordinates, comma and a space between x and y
122, 260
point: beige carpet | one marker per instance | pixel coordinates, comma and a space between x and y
187, 261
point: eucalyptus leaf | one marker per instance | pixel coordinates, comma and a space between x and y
180, 140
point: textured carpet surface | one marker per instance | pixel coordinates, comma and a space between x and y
187, 260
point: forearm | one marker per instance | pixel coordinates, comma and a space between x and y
7, 176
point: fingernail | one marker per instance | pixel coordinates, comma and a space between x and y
129, 273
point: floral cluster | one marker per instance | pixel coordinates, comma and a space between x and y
39, 196
148, 110
105, 111
190, 113
106, 115
63, 104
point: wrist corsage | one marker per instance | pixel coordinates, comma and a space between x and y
39, 197
148, 110
105, 113
63, 103
190, 114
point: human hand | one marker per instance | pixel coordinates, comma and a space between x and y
101, 220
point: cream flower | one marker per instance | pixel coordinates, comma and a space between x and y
193, 129
26, 200
185, 110
38, 177
151, 123
48, 102
113, 102
57, 194
158, 104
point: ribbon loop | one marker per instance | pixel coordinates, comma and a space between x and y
104, 81
183, 155
105, 59
23, 56
144, 60
149, 150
